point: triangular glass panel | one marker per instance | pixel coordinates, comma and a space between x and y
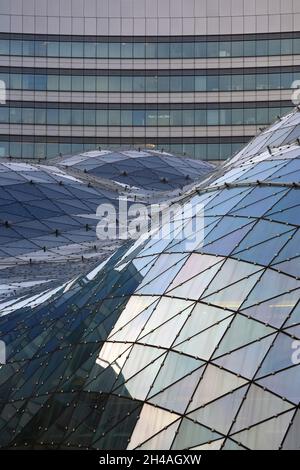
156, 419
258, 406
242, 331
245, 361
192, 434
265, 436
220, 414
215, 383
177, 396
203, 345
285, 384
174, 367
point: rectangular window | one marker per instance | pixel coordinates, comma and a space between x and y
4, 47
15, 115
213, 151
52, 150
89, 117
138, 84
16, 47
274, 81
15, 81
262, 48
273, 113
77, 83
52, 82
102, 50
126, 117
151, 50
176, 84
90, 83
28, 48
286, 79
225, 117
249, 116
90, 50
40, 82
296, 46
249, 48
4, 149
262, 81
40, 48
77, 117
28, 82
188, 117
237, 49
53, 49
200, 83
212, 49
27, 150
188, 83
40, 150
138, 118
65, 117
16, 149
151, 117
115, 84
151, 84
200, 117
224, 151
65, 82
102, 84
262, 116
126, 50
163, 51
114, 117
237, 82
40, 116
163, 118
126, 84
225, 82
274, 47
175, 50
225, 48
4, 115
237, 117
77, 49
114, 50
175, 117
52, 116
250, 82
200, 49
139, 50
65, 49
188, 50
101, 117
163, 84
212, 117
212, 83
200, 151
28, 115
286, 46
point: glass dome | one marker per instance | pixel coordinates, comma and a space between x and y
171, 344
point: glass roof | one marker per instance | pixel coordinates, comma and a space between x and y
171, 345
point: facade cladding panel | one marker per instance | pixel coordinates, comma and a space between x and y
192, 76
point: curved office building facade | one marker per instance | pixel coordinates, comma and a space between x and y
191, 76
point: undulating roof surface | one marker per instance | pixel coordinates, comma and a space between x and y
147, 169
172, 344
48, 212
